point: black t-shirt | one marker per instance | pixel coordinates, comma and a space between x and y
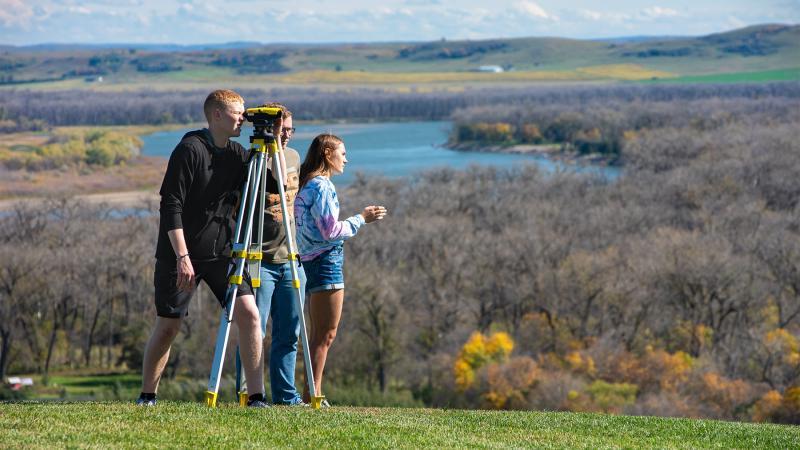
200, 193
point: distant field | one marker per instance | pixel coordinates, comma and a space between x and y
201, 79
193, 425
590, 73
738, 77
404, 81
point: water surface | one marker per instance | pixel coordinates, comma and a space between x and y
393, 149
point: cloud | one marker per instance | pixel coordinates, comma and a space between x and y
15, 12
591, 15
655, 12
533, 9
79, 10
644, 15
603, 16
209, 21
615, 18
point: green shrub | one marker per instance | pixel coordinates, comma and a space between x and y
611, 397
6, 393
94, 148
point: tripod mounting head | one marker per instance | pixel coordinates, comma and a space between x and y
263, 118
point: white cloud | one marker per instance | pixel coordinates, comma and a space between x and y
281, 16
603, 16
591, 15
15, 12
209, 21
422, 2
533, 9
657, 12
79, 10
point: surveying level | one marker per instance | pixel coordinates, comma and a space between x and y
244, 249
262, 117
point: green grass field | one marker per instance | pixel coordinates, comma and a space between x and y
193, 425
89, 386
736, 77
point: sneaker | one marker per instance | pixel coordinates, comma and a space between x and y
145, 402
257, 404
324, 403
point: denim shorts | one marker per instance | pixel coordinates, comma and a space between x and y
326, 271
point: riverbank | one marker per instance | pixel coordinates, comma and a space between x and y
553, 152
122, 185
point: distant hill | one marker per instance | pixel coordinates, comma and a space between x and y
124, 46
773, 48
630, 39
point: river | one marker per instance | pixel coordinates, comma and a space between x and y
393, 149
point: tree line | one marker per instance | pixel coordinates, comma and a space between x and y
672, 290
605, 126
24, 109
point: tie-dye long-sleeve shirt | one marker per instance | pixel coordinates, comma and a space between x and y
316, 215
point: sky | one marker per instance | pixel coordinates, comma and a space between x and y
25, 22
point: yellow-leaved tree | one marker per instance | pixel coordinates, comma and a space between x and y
477, 352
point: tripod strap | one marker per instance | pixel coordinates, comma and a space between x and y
295, 258
254, 257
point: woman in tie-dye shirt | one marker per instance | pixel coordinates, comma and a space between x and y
320, 235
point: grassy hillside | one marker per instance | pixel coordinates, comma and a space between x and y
192, 425
764, 48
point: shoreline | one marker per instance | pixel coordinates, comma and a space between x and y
552, 152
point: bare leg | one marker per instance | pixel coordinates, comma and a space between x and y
325, 311
156, 354
248, 323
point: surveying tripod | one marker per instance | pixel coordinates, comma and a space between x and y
246, 251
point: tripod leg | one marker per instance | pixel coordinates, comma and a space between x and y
316, 398
241, 386
221, 346
294, 259
240, 247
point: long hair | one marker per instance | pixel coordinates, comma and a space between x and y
315, 162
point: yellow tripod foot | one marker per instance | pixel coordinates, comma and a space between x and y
243, 399
316, 402
211, 399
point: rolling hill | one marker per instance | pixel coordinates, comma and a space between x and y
756, 49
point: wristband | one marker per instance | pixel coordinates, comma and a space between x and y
180, 257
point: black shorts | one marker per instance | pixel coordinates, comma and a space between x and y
170, 302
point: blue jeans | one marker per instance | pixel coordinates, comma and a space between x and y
276, 297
